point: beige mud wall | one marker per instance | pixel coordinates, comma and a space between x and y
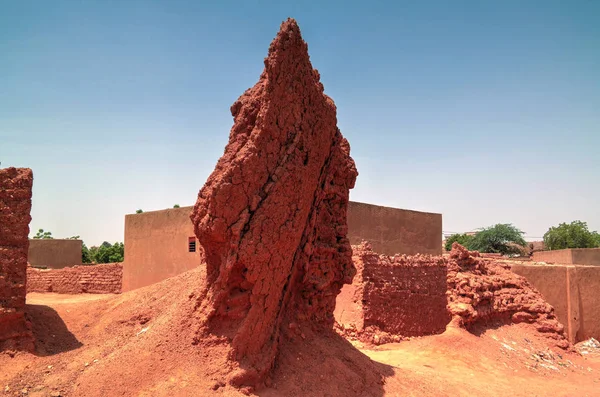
156, 247
156, 242
395, 231
54, 253
574, 256
573, 291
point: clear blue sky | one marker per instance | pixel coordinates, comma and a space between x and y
485, 111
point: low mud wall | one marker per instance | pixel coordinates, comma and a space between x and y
573, 292
572, 256
401, 295
91, 279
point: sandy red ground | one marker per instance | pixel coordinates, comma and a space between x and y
134, 344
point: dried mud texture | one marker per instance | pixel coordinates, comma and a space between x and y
483, 292
392, 297
272, 215
15, 207
104, 278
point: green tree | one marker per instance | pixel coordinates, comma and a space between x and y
139, 211
107, 253
571, 235
86, 256
502, 238
463, 239
41, 234
176, 206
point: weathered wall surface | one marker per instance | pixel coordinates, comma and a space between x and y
586, 256
157, 246
156, 242
91, 279
575, 256
15, 207
395, 231
402, 295
573, 291
54, 253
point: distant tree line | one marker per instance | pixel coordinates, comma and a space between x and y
506, 239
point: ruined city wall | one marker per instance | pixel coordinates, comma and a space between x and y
485, 292
86, 279
54, 253
400, 295
394, 231
15, 207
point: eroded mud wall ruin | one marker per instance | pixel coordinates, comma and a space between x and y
422, 294
272, 216
86, 279
15, 208
484, 292
401, 295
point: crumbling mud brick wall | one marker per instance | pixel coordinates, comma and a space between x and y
483, 292
92, 279
400, 295
15, 207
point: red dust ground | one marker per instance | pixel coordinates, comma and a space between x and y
130, 344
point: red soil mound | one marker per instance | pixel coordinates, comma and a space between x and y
483, 292
272, 216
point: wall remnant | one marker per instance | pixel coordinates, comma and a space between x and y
54, 253
272, 215
15, 208
397, 295
481, 292
86, 279
392, 231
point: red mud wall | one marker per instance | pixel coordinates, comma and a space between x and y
15, 207
406, 295
402, 295
93, 279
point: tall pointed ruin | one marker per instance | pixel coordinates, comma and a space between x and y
272, 215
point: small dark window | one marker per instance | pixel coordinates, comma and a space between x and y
192, 244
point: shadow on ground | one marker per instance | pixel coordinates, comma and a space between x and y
326, 365
50, 332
